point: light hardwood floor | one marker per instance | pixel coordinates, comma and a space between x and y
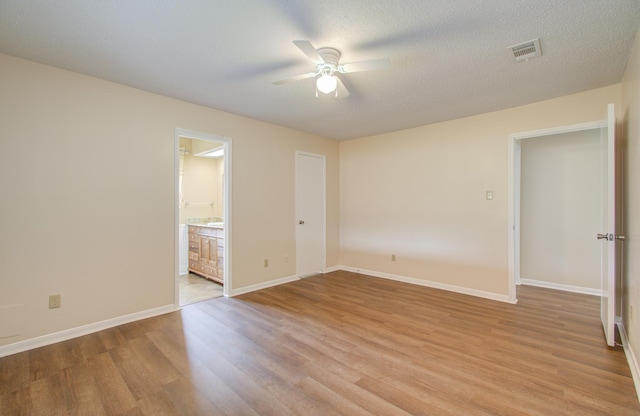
341, 343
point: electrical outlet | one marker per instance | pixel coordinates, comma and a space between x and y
393, 257
266, 262
55, 301
286, 258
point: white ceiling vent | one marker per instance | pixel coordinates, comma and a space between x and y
526, 50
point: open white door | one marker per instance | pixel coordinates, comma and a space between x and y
609, 237
310, 211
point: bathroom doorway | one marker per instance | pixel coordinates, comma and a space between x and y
202, 201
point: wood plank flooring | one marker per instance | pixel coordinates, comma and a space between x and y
338, 344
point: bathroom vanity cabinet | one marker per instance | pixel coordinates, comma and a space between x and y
206, 251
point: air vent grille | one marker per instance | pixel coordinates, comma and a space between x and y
526, 50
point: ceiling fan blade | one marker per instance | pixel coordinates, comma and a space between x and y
307, 48
361, 66
295, 78
341, 90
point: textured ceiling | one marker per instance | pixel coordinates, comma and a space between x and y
449, 59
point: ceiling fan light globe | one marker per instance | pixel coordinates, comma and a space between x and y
327, 83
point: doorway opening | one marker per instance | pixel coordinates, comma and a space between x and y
534, 150
202, 201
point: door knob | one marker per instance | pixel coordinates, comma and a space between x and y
301, 222
621, 237
604, 237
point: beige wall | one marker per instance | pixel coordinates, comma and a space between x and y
631, 179
420, 193
87, 173
198, 146
201, 186
561, 209
88, 182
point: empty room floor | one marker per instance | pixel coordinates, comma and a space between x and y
341, 343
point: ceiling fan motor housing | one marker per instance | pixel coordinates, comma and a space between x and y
330, 56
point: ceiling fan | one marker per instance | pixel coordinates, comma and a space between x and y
327, 61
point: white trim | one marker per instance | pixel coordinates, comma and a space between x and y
631, 358
559, 130
332, 269
226, 141
324, 205
514, 190
182, 268
558, 286
79, 331
514, 217
432, 284
176, 219
264, 285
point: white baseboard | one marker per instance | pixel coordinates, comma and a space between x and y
281, 281
631, 358
253, 288
558, 286
71, 333
432, 284
79, 331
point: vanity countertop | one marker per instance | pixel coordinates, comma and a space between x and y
218, 225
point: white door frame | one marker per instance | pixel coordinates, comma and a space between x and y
324, 207
514, 191
610, 227
226, 141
